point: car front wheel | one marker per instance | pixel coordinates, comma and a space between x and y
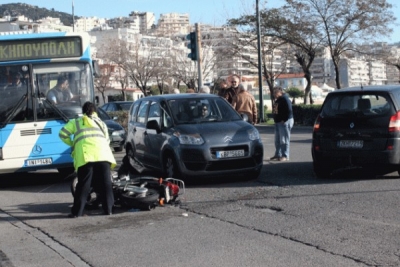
171, 169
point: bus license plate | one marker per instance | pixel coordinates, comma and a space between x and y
35, 162
351, 143
230, 154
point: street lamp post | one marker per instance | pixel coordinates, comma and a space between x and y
261, 97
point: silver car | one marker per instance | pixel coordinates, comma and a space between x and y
192, 135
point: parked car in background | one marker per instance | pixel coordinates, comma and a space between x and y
117, 106
358, 128
115, 130
192, 135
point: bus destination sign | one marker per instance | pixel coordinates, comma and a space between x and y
30, 49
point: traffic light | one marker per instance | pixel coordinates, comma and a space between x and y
192, 45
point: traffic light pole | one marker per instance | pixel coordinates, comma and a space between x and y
260, 95
199, 58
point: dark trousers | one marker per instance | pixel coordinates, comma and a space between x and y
96, 174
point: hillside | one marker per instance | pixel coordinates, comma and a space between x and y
34, 12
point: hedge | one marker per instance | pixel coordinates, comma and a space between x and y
305, 114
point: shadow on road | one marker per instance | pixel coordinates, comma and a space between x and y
31, 179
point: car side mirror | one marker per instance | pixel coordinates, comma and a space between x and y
153, 125
96, 69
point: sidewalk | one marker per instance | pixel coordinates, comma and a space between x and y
22, 245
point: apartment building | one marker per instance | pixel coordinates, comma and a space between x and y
145, 20
171, 24
87, 24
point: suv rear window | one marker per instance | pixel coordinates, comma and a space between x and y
365, 104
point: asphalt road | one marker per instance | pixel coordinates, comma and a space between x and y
285, 218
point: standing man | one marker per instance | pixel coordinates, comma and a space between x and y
244, 102
222, 88
283, 118
232, 91
93, 158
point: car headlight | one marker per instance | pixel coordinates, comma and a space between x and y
118, 133
253, 134
189, 139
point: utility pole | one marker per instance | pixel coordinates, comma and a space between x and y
261, 97
73, 17
199, 56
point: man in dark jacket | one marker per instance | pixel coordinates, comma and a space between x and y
283, 118
231, 92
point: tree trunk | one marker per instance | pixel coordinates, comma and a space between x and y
104, 97
337, 77
307, 90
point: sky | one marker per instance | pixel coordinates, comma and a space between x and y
214, 12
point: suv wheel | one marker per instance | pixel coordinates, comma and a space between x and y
129, 152
171, 167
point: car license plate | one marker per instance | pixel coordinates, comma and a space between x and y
35, 162
350, 143
230, 154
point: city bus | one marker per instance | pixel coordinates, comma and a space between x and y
31, 65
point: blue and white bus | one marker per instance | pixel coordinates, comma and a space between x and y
30, 65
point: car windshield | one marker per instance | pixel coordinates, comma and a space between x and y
44, 91
364, 104
200, 110
125, 106
103, 115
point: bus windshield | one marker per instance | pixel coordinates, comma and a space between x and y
30, 92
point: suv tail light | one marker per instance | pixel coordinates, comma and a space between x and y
317, 124
394, 124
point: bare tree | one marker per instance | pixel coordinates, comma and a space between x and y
344, 23
122, 78
163, 74
103, 82
140, 59
273, 59
185, 70
391, 56
298, 30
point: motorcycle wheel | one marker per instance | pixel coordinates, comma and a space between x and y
147, 202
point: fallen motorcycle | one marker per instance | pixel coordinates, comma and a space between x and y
144, 193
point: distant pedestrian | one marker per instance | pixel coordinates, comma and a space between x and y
232, 91
204, 89
244, 102
222, 87
93, 158
283, 118
176, 91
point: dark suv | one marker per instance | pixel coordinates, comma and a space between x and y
358, 128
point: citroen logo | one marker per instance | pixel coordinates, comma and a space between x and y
227, 139
37, 150
352, 125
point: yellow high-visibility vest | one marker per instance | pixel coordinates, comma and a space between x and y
90, 142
